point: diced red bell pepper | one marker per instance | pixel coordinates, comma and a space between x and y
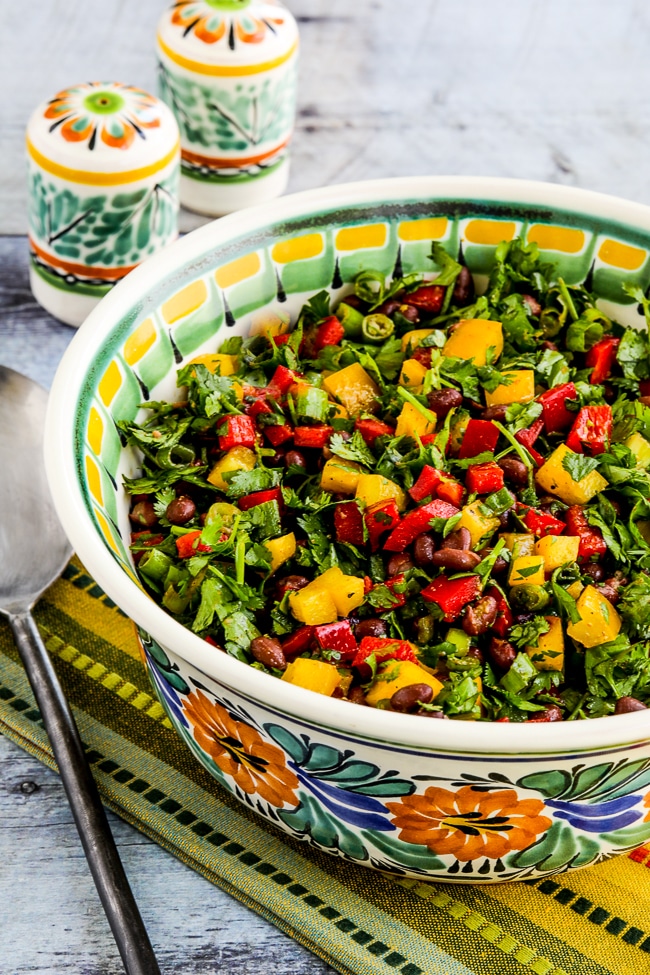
591, 430
540, 523
380, 518
602, 357
348, 523
371, 429
283, 378
317, 436
261, 497
429, 297
555, 415
423, 356
236, 431
416, 522
337, 637
452, 594
213, 643
281, 339
138, 538
430, 438
528, 436
382, 648
484, 478
504, 618
450, 490
480, 435
299, 641
426, 484
538, 460
278, 433
329, 332
592, 542
188, 544
258, 407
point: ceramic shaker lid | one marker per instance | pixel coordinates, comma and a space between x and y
103, 167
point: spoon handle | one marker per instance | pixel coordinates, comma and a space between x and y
97, 840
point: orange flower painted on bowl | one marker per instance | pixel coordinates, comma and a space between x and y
646, 804
210, 24
257, 766
112, 113
469, 823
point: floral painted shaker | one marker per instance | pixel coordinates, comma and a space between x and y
103, 168
228, 71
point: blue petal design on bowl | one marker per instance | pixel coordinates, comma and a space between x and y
600, 817
358, 810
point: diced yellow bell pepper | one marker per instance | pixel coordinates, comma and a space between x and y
395, 674
640, 448
526, 570
281, 549
217, 362
549, 652
352, 387
557, 549
340, 476
372, 488
520, 390
553, 478
480, 526
472, 338
237, 459
599, 621
314, 675
575, 589
411, 422
347, 592
313, 605
411, 340
412, 374
518, 544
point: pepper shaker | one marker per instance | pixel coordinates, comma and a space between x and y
103, 171
228, 72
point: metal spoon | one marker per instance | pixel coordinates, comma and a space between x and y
33, 553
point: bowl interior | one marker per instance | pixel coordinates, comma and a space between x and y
210, 285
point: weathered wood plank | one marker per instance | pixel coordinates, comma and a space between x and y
52, 921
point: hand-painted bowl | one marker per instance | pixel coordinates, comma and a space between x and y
450, 800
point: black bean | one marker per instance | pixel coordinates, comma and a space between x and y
399, 563
463, 288
441, 401
290, 584
514, 470
357, 695
268, 651
455, 559
552, 713
625, 705
294, 458
502, 653
459, 539
144, 514
479, 618
408, 698
594, 571
180, 510
494, 413
534, 306
424, 548
372, 627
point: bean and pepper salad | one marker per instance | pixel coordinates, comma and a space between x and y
418, 499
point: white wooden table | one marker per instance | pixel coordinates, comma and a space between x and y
541, 89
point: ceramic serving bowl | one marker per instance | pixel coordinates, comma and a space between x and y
450, 800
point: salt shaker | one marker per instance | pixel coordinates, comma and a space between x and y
228, 72
103, 172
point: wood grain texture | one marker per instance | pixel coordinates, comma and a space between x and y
52, 921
